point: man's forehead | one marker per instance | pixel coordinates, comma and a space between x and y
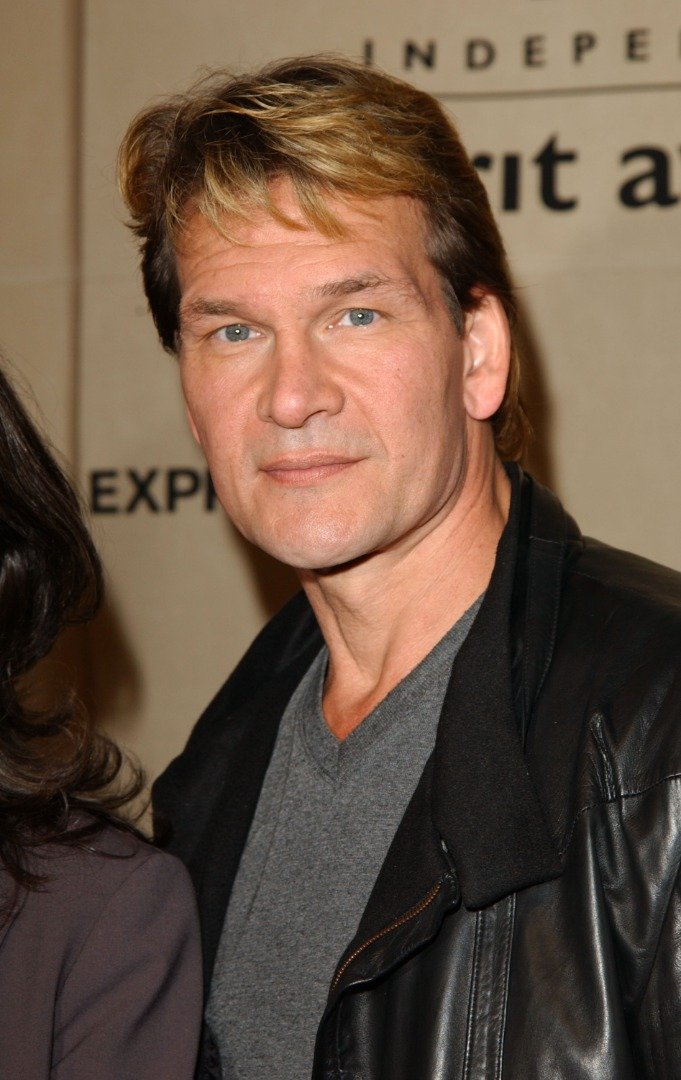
391, 218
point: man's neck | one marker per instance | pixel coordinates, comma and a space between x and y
380, 617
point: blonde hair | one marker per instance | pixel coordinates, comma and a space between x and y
331, 127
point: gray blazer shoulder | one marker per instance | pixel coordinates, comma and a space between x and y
100, 969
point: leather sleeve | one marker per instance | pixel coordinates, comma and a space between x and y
657, 1032
130, 1003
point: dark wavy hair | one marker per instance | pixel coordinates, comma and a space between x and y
52, 762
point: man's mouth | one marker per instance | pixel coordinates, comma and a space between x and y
299, 470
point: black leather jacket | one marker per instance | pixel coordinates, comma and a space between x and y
526, 923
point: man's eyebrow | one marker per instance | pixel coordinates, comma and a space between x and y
362, 283
204, 305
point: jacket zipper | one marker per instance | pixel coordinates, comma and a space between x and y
411, 914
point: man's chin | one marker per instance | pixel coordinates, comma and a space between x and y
318, 558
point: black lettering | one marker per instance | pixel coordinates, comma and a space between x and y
141, 483
582, 43
180, 484
211, 496
100, 489
368, 52
510, 185
480, 54
653, 185
426, 56
636, 44
482, 161
548, 159
510, 177
533, 50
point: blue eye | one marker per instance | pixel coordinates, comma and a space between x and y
360, 316
237, 332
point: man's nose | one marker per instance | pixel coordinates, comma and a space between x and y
300, 381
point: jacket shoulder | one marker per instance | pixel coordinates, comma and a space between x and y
627, 609
629, 579
612, 699
80, 879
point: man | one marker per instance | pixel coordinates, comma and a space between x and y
432, 816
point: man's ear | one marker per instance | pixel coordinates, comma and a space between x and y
487, 357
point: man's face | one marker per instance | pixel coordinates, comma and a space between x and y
323, 380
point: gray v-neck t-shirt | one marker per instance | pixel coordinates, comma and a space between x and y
327, 814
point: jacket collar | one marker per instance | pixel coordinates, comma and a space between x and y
485, 806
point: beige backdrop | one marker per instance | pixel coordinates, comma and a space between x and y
571, 111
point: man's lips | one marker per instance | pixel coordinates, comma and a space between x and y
302, 469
